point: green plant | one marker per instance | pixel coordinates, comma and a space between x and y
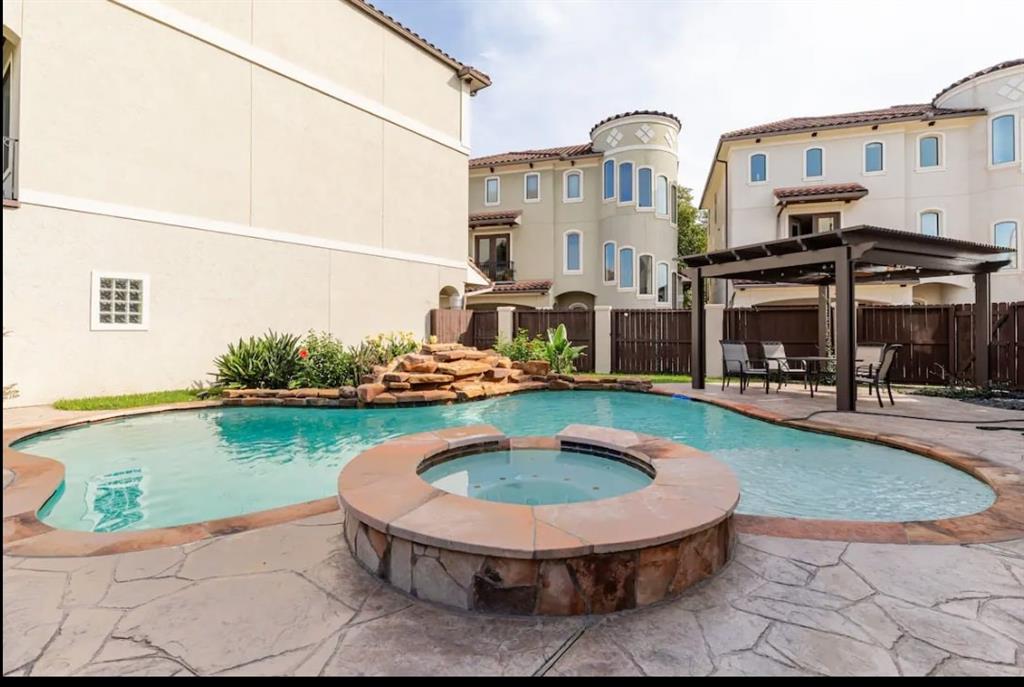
323, 363
269, 361
379, 350
522, 347
559, 351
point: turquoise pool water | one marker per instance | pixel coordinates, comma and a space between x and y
536, 477
174, 468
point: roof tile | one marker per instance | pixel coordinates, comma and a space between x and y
535, 155
896, 112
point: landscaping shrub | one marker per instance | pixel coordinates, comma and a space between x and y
559, 351
522, 347
267, 362
379, 350
324, 363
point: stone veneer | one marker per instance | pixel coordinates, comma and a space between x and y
592, 557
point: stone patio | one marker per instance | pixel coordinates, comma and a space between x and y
289, 599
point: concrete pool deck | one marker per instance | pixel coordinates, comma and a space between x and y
290, 599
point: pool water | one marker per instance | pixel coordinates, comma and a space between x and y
536, 477
187, 466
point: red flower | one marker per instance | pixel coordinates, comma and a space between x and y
303, 353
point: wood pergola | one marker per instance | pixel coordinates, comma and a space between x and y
845, 257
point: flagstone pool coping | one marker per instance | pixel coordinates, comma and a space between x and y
37, 478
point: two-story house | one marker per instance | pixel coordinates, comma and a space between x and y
181, 174
581, 225
951, 167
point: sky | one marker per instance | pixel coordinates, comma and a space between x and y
560, 66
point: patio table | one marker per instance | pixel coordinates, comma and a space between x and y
814, 363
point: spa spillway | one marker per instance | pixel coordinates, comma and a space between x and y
590, 521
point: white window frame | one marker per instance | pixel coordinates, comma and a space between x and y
526, 176
615, 263
94, 319
639, 207
646, 296
632, 183
1017, 132
668, 283
565, 252
618, 267
1020, 242
820, 176
486, 181
615, 179
668, 197
750, 163
864, 160
941, 167
565, 186
942, 220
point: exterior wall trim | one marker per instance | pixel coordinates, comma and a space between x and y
95, 207
223, 41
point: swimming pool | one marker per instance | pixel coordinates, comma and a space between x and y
174, 468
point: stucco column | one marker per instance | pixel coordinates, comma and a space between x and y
714, 328
602, 339
505, 322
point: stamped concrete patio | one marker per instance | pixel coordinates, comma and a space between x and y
288, 599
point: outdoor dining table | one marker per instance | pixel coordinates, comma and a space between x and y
814, 366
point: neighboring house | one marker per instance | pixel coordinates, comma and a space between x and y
187, 173
952, 167
582, 225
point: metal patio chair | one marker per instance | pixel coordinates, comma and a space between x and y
869, 356
736, 363
784, 366
880, 374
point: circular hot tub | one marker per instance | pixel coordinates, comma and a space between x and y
592, 520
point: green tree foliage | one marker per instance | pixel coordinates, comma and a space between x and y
693, 230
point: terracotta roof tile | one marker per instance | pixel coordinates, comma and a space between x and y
494, 217
825, 190
535, 155
896, 112
635, 112
975, 75
523, 286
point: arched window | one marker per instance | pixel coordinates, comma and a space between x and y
626, 182
663, 282
625, 268
931, 223
573, 253
608, 262
531, 187
645, 187
874, 157
645, 275
1006, 236
572, 185
814, 163
661, 196
1004, 145
758, 168
929, 153
675, 204
492, 190
609, 179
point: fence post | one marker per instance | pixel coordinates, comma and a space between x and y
714, 331
602, 339
505, 327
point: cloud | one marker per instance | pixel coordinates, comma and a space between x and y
560, 66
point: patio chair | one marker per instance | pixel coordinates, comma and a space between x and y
736, 363
869, 356
786, 367
880, 374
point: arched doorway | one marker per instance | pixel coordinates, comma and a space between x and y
449, 298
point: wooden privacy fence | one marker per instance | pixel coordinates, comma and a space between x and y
651, 341
579, 327
470, 327
795, 326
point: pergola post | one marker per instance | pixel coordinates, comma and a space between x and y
846, 334
698, 343
982, 328
823, 315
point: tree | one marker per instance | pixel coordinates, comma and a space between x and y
693, 230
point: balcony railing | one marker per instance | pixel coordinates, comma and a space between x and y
10, 168
498, 271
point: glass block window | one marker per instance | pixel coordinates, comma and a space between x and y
120, 301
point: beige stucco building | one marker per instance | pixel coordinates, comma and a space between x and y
582, 225
186, 173
951, 167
